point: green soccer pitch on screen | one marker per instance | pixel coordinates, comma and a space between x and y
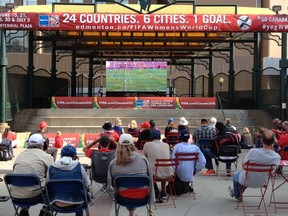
136, 76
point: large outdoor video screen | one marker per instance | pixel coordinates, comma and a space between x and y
136, 76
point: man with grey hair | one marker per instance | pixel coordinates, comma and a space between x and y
32, 160
265, 155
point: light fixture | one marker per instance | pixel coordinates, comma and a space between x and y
221, 81
276, 8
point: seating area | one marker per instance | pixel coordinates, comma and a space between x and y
212, 197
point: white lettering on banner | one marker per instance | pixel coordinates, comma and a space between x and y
171, 19
213, 19
108, 18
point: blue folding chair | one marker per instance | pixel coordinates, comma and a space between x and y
53, 187
135, 184
23, 180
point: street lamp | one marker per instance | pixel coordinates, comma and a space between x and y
221, 80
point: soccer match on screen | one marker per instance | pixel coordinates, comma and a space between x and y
136, 76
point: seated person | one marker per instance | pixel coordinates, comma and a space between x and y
132, 127
128, 161
104, 143
11, 136
67, 167
265, 155
222, 137
170, 128
32, 160
144, 135
185, 171
109, 131
118, 126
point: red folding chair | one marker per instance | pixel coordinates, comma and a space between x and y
164, 164
186, 158
250, 169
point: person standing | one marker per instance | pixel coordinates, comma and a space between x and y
265, 155
58, 140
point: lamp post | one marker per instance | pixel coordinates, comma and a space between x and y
221, 80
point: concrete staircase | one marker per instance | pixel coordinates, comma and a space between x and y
91, 120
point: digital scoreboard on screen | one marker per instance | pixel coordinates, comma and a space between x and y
136, 76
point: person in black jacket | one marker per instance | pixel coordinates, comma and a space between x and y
222, 137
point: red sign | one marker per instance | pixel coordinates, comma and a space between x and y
156, 102
144, 22
68, 138
73, 102
197, 103
88, 138
115, 102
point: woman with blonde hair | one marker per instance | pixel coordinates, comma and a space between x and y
118, 126
246, 139
128, 162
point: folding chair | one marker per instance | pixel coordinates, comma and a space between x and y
136, 193
186, 158
164, 164
23, 180
172, 138
204, 143
252, 169
77, 186
99, 168
227, 154
4, 198
281, 173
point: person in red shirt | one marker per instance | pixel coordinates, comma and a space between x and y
58, 140
109, 131
10, 135
104, 142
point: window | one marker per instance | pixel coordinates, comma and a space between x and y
75, 1
48, 2
3, 2
29, 2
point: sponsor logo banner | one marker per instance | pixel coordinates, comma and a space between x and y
156, 103
73, 102
197, 103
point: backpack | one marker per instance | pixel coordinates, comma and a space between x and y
5, 154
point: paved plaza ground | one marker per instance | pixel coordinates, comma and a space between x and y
212, 197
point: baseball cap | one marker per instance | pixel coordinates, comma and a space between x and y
42, 125
170, 120
36, 139
145, 125
184, 134
69, 151
155, 134
126, 139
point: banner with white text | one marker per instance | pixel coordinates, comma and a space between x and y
144, 22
